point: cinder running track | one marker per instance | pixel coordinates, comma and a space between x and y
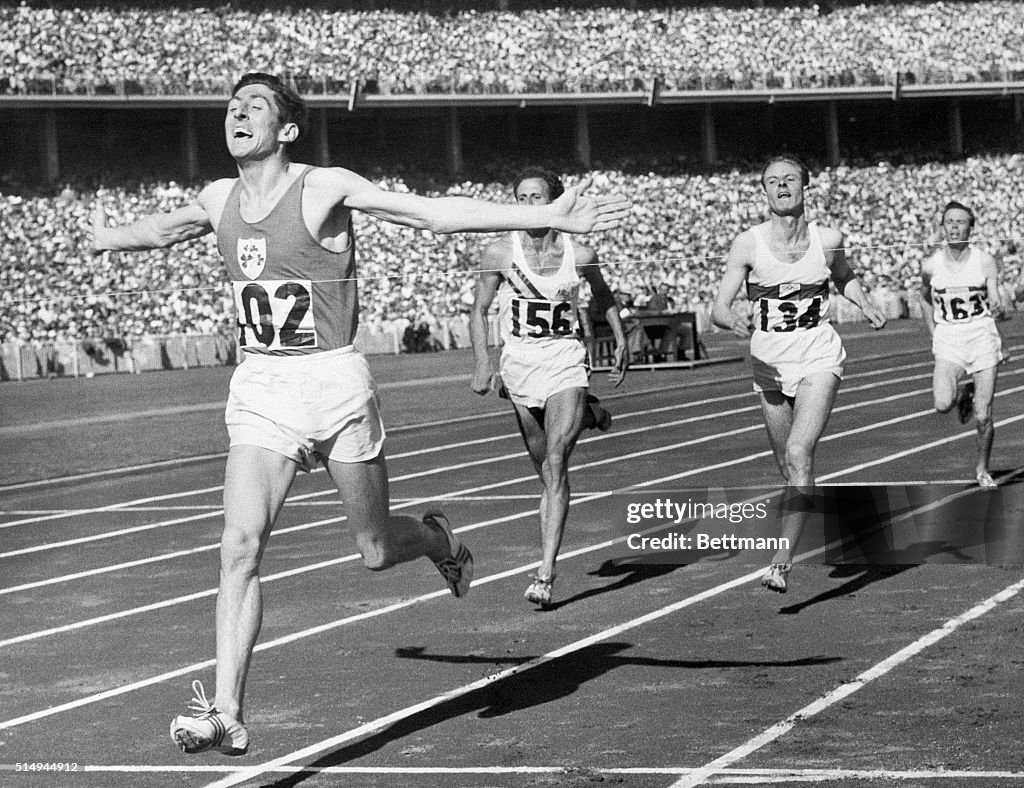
642, 674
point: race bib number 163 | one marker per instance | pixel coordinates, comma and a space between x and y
275, 314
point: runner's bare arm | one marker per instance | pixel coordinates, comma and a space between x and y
160, 230
573, 212
609, 306
485, 379
927, 305
737, 266
990, 268
846, 280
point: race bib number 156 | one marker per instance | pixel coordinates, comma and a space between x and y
534, 318
275, 314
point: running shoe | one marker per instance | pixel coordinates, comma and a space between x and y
986, 482
596, 417
208, 730
539, 591
457, 568
965, 402
777, 578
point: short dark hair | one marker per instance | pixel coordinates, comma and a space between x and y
290, 105
805, 174
952, 205
555, 187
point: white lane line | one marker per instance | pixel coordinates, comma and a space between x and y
474, 417
702, 775
132, 530
398, 456
293, 636
695, 777
391, 431
449, 446
191, 597
402, 714
113, 507
924, 447
427, 472
300, 635
176, 410
370, 728
738, 776
81, 477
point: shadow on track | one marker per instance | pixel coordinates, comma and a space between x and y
533, 687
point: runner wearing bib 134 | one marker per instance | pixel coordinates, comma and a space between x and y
793, 336
796, 355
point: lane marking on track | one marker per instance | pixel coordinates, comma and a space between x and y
113, 507
247, 773
462, 419
738, 776
508, 518
476, 463
332, 625
479, 441
178, 410
386, 721
458, 466
702, 775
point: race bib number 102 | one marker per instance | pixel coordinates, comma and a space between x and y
275, 314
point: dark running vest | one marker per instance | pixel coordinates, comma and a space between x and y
291, 295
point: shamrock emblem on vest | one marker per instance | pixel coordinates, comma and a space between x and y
252, 256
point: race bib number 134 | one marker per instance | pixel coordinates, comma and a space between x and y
785, 316
275, 314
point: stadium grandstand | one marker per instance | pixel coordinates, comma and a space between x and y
164, 49
672, 105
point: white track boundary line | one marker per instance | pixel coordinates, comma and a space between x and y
381, 723
460, 419
122, 690
508, 518
113, 507
433, 471
436, 449
782, 727
384, 722
744, 776
114, 692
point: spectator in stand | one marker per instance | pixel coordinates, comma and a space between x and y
156, 49
681, 227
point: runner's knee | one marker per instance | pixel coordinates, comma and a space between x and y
556, 463
240, 550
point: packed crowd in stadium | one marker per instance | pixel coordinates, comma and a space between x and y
159, 50
676, 239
